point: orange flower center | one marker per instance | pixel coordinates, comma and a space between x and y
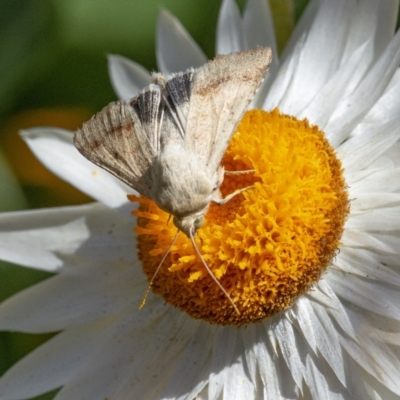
267, 245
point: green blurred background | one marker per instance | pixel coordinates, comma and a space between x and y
53, 63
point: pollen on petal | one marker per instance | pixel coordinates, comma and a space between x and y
267, 245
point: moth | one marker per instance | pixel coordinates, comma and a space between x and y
167, 143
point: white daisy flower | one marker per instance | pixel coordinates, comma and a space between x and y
311, 254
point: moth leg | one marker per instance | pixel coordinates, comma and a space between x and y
245, 171
220, 201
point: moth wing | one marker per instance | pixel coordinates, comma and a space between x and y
221, 92
124, 138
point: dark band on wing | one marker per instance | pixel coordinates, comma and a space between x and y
148, 107
147, 104
179, 87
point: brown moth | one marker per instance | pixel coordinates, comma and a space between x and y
167, 143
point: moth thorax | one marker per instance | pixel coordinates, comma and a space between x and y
183, 183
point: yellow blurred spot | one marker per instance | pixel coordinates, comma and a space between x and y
283, 13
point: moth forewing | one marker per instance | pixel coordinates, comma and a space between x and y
123, 138
221, 93
167, 143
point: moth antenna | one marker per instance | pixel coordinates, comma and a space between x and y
211, 274
169, 218
158, 269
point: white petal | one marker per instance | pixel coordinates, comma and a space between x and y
223, 351
396, 77
316, 379
269, 369
259, 27
176, 50
373, 181
285, 336
230, 33
381, 324
390, 158
389, 332
51, 365
373, 394
96, 249
237, 385
191, 375
323, 335
363, 293
324, 295
302, 315
357, 38
259, 31
390, 260
354, 379
369, 201
47, 237
376, 220
283, 79
374, 356
117, 360
127, 77
301, 29
328, 342
353, 109
390, 239
250, 344
164, 360
322, 106
374, 19
372, 241
55, 150
68, 300
385, 110
360, 151
35, 238
302, 349
320, 56
358, 262
378, 391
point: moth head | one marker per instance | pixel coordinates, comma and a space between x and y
189, 224
198, 222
